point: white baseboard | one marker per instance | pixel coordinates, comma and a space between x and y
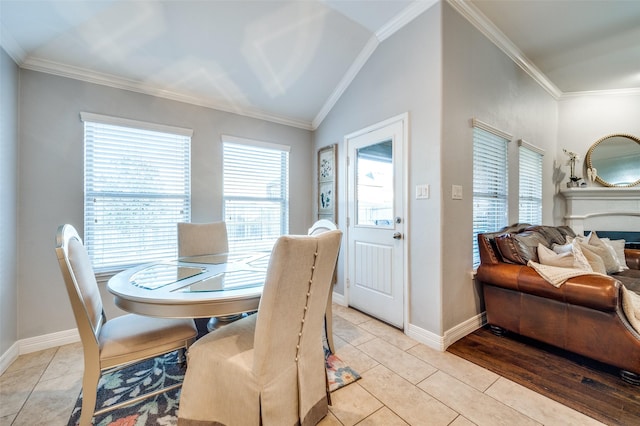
441, 343
338, 299
9, 356
47, 341
38, 343
459, 331
425, 337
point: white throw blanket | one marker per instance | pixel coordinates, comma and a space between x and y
556, 275
631, 307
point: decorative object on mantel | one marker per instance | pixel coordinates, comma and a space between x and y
617, 158
573, 159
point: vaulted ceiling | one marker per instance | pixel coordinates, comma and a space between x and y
289, 61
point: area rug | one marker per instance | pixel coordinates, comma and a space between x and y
162, 409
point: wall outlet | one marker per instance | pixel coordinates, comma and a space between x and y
456, 192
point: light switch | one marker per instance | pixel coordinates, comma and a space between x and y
456, 192
422, 192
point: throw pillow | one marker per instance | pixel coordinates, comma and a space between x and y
551, 258
562, 248
618, 250
569, 256
594, 257
600, 248
519, 248
579, 259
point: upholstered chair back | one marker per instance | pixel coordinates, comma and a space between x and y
81, 285
195, 239
289, 326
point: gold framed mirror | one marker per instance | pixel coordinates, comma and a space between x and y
614, 160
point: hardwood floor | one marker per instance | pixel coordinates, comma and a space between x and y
588, 386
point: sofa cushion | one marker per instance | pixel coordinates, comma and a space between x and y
520, 248
566, 231
551, 233
630, 278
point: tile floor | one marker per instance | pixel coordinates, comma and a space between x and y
403, 383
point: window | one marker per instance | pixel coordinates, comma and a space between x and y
530, 199
489, 182
136, 187
256, 193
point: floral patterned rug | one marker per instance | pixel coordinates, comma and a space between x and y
162, 409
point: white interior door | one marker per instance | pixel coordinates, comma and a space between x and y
376, 222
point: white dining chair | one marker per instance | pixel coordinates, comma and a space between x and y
320, 226
269, 368
118, 342
198, 239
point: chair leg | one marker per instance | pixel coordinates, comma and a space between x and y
328, 323
182, 356
89, 395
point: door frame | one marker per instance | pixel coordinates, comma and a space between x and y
404, 118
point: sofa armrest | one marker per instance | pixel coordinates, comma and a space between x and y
632, 256
592, 291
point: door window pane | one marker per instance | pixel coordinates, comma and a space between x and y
374, 187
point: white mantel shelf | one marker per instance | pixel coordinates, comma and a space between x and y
602, 193
602, 209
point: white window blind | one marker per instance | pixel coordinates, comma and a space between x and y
489, 183
137, 187
256, 193
530, 198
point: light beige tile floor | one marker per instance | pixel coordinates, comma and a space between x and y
403, 383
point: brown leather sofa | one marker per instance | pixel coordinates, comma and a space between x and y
584, 315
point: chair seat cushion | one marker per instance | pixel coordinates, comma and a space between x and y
131, 337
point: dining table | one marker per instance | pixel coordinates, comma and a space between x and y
204, 286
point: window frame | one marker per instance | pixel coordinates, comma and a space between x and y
236, 242
103, 181
530, 166
493, 136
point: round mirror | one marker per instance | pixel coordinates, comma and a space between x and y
615, 160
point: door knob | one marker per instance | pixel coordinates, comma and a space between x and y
397, 236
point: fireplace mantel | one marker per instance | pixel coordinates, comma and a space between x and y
602, 209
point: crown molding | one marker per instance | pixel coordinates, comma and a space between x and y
346, 80
612, 92
497, 37
82, 74
403, 18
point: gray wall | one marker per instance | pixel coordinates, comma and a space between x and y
404, 74
51, 175
482, 82
8, 201
443, 71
